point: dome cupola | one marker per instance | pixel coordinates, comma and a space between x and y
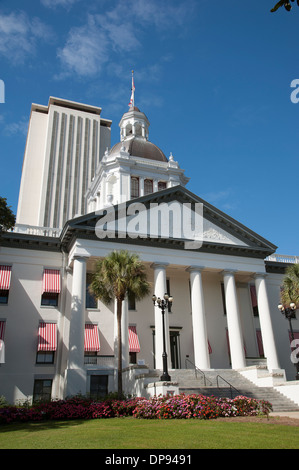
134, 167
134, 134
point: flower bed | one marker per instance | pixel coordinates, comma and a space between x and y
199, 406
176, 407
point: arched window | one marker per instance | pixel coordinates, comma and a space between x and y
134, 186
148, 186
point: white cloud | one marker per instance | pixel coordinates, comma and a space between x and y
19, 36
20, 127
86, 50
163, 14
224, 199
108, 36
55, 3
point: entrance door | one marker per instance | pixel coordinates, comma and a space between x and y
174, 337
175, 354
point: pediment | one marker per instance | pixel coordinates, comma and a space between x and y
132, 220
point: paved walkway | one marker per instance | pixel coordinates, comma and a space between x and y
289, 414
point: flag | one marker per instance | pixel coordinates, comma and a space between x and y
132, 101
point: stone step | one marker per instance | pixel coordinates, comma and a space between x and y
216, 384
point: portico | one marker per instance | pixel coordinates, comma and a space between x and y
200, 315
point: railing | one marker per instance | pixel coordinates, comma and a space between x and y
196, 370
35, 230
107, 362
231, 387
283, 258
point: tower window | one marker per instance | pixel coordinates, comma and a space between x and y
148, 186
134, 186
161, 185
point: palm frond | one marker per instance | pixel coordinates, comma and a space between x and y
290, 286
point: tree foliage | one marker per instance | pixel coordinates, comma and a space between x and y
7, 217
118, 275
290, 288
283, 3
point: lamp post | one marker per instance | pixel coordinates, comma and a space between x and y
289, 313
163, 304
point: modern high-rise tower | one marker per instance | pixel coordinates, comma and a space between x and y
65, 142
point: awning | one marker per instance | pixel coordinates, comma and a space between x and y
51, 281
134, 346
5, 275
91, 338
47, 337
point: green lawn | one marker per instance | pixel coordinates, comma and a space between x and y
130, 433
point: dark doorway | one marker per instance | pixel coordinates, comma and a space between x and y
174, 337
98, 386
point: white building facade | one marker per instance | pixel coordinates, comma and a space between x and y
57, 341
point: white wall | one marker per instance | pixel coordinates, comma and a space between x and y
32, 172
24, 312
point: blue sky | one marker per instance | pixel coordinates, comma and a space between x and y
213, 77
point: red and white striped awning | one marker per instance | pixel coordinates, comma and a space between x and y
51, 281
5, 276
134, 345
47, 337
91, 338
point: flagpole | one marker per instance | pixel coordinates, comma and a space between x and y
133, 88
132, 101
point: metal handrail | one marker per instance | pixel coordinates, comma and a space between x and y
196, 369
230, 386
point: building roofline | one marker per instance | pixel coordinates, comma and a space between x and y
96, 110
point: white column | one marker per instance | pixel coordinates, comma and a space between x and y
76, 374
200, 340
265, 321
141, 186
159, 291
233, 321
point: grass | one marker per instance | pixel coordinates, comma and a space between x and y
131, 433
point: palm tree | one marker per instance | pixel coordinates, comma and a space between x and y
290, 287
283, 3
118, 275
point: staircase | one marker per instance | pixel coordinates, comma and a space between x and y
217, 383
